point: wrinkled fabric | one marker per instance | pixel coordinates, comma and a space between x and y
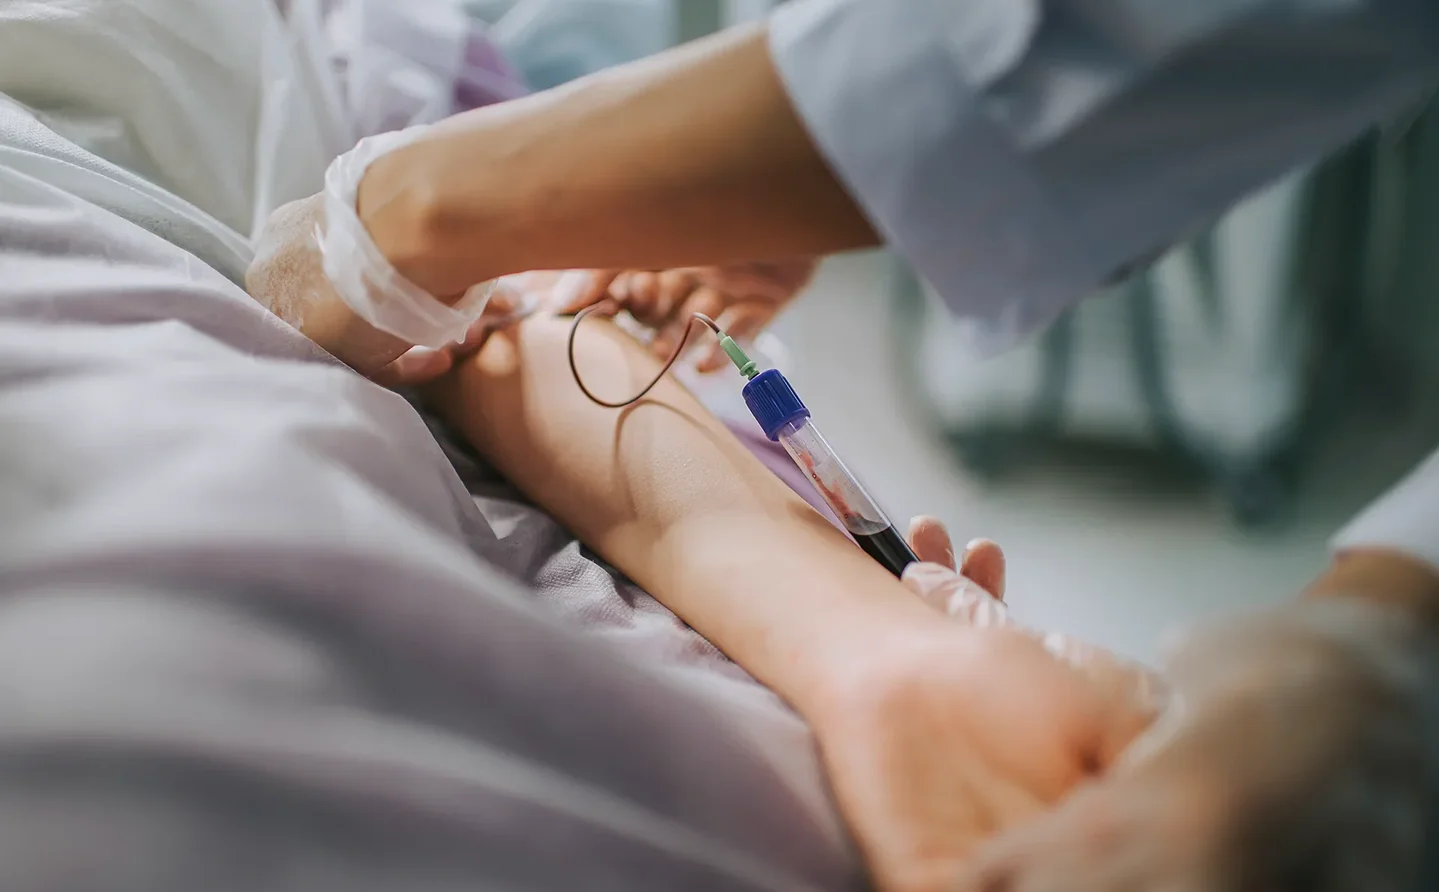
486, 75
256, 631
221, 105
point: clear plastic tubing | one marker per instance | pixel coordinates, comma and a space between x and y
786, 420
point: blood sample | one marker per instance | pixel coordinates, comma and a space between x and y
784, 418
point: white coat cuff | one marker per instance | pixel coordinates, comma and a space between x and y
1406, 519
889, 92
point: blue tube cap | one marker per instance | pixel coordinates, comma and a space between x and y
772, 402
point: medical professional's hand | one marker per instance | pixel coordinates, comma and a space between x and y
969, 726
743, 298
1301, 756
288, 278
975, 595
421, 365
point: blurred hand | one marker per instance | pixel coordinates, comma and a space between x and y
968, 725
743, 298
1302, 756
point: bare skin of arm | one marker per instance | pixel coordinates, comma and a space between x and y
665, 493
927, 746
693, 157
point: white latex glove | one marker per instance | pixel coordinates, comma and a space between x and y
974, 594
1299, 749
952, 728
287, 277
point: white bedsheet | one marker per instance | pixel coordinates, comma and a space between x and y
256, 631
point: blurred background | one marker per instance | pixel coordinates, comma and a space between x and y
1182, 444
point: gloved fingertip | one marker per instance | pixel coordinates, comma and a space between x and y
930, 540
984, 563
982, 546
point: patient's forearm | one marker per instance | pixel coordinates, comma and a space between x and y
666, 494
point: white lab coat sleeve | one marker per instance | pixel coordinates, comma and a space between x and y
1406, 519
1021, 152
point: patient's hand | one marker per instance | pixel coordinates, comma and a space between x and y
937, 739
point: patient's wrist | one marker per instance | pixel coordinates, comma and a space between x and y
829, 611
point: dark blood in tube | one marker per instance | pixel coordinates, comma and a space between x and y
888, 547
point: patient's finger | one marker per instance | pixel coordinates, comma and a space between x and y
930, 541
984, 563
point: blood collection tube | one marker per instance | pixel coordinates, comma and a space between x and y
785, 419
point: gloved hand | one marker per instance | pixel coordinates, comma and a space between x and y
975, 595
942, 732
420, 365
287, 277
1302, 754
743, 298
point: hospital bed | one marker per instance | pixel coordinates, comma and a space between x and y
263, 624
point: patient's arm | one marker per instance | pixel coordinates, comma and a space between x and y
668, 496
934, 733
